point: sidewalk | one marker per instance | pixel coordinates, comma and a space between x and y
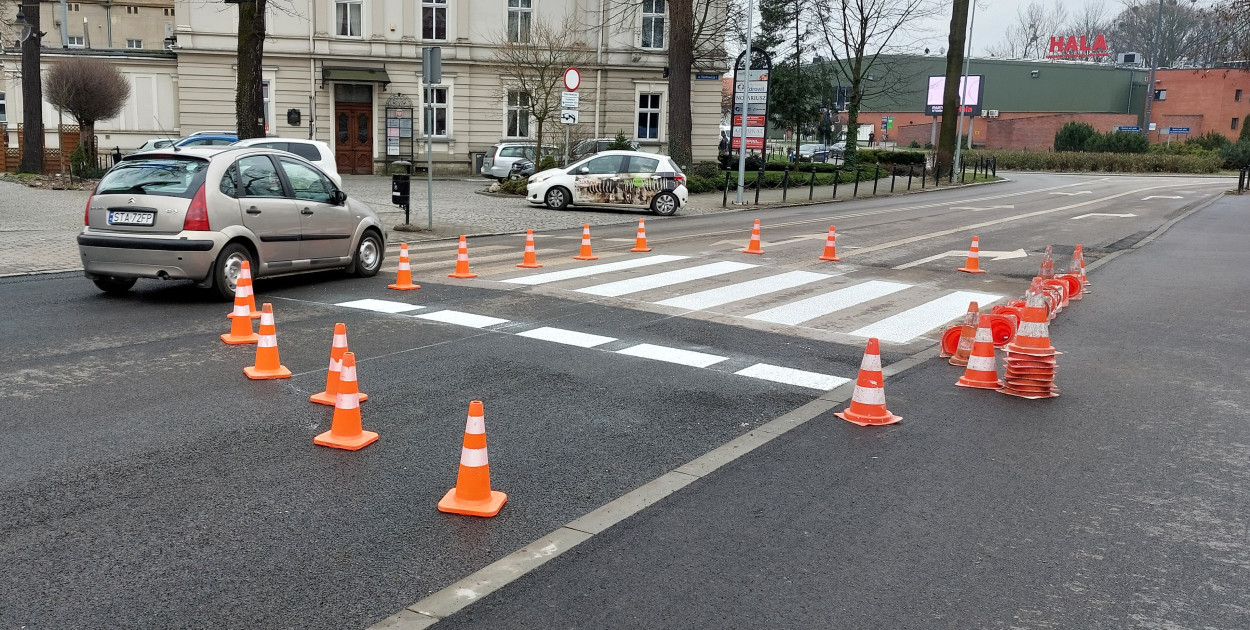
1118, 505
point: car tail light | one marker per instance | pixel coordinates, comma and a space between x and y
86, 214
197, 213
681, 179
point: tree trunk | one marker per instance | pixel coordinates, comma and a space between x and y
249, 103
32, 94
950, 97
538, 150
851, 148
680, 64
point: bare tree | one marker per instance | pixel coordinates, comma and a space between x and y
1178, 40
1231, 23
1029, 37
862, 39
533, 70
89, 90
1091, 20
249, 103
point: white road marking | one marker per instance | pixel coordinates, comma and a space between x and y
1104, 214
1149, 197
743, 290
462, 319
655, 281
590, 270
919, 320
567, 337
975, 209
475, 261
1069, 194
381, 306
790, 376
817, 306
1019, 253
672, 355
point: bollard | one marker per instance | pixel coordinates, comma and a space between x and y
910, 168
724, 201
837, 176
892, 174
759, 181
876, 177
855, 191
811, 183
924, 174
963, 172
785, 184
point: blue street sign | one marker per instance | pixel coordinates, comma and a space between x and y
1132, 128
1178, 130
706, 77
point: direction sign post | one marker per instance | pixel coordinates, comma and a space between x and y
568, 110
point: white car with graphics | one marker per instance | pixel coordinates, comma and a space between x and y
628, 179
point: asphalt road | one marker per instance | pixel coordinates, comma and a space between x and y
154, 486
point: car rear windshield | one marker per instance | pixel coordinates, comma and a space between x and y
514, 151
168, 176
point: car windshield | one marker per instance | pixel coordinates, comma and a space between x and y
810, 147
167, 176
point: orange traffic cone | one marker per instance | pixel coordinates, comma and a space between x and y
267, 364
530, 261
1033, 335
462, 262
241, 318
243, 293
868, 400
831, 251
403, 278
982, 372
472, 494
345, 429
1077, 268
338, 347
973, 264
754, 246
967, 333
640, 242
586, 254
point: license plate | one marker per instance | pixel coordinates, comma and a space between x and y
132, 218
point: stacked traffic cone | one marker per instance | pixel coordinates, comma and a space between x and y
241, 317
868, 399
586, 254
472, 494
243, 293
982, 371
530, 260
831, 251
462, 261
267, 364
403, 278
1078, 266
1031, 359
967, 334
973, 262
754, 246
345, 429
338, 347
640, 242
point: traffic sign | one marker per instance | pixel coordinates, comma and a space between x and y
1132, 128
568, 116
572, 79
569, 100
1178, 130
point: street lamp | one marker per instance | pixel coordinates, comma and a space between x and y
1154, 62
28, 31
963, 96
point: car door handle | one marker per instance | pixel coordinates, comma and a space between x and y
306, 211
253, 210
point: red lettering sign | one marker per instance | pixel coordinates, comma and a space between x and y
1077, 46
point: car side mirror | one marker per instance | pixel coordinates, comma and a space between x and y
585, 170
340, 197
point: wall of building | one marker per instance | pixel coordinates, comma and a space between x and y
1203, 100
108, 24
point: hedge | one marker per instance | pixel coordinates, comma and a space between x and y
1074, 161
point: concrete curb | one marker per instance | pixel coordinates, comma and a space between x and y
1153, 235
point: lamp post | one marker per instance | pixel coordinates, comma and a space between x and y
32, 87
1150, 82
963, 94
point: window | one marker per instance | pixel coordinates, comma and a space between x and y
653, 24
347, 18
258, 178
228, 185
134, 43
72, 7
518, 113
4, 116
169, 12
132, 10
638, 164
604, 165
436, 115
306, 182
433, 19
519, 13
1236, 121
649, 116
265, 99
75, 41
1237, 96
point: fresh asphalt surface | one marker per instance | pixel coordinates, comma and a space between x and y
1121, 504
157, 487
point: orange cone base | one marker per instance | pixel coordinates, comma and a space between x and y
1028, 395
263, 375
352, 443
461, 275
242, 339
831, 258
252, 315
866, 421
641, 249
489, 507
403, 287
585, 258
531, 265
1048, 351
967, 270
753, 251
963, 382
327, 399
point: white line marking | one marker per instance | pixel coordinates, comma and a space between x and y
743, 290
790, 376
582, 272
462, 319
919, 320
620, 240
655, 281
476, 261
825, 303
1104, 214
1019, 253
381, 306
567, 337
672, 355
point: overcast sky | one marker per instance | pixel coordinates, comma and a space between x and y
993, 18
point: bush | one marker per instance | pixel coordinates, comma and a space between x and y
1117, 142
1079, 161
513, 186
620, 143
1237, 154
710, 170
547, 162
915, 144
1211, 141
1074, 136
82, 164
881, 156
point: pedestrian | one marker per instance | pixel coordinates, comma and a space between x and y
872, 137
724, 144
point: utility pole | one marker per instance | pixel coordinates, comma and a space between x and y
963, 94
1150, 82
742, 129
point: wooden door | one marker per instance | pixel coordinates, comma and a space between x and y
353, 138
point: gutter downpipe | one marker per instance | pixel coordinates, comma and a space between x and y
64, 23
312, 74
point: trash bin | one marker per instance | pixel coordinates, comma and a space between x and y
478, 160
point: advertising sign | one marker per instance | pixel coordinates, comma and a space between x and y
751, 92
1072, 46
975, 85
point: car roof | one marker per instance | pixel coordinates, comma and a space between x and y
247, 142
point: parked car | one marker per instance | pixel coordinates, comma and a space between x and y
198, 213
314, 151
212, 132
155, 143
613, 178
521, 169
809, 150
595, 145
836, 149
207, 140
499, 158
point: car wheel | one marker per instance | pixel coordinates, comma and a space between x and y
664, 204
368, 258
228, 267
114, 285
557, 198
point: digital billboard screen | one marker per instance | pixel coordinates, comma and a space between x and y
972, 98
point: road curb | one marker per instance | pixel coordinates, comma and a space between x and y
1153, 235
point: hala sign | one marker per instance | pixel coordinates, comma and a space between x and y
1073, 46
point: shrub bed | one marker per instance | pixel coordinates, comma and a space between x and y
1074, 161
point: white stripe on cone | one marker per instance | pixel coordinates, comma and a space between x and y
472, 457
336, 365
871, 363
475, 426
241, 310
348, 374
869, 395
981, 364
243, 290
984, 335
404, 266
267, 341
1033, 329
340, 341
266, 319
347, 401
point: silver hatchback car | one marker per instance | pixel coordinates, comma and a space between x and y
198, 213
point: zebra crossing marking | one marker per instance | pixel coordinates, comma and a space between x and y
794, 313
657, 280
742, 290
913, 322
672, 355
590, 270
462, 319
381, 306
567, 337
791, 376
